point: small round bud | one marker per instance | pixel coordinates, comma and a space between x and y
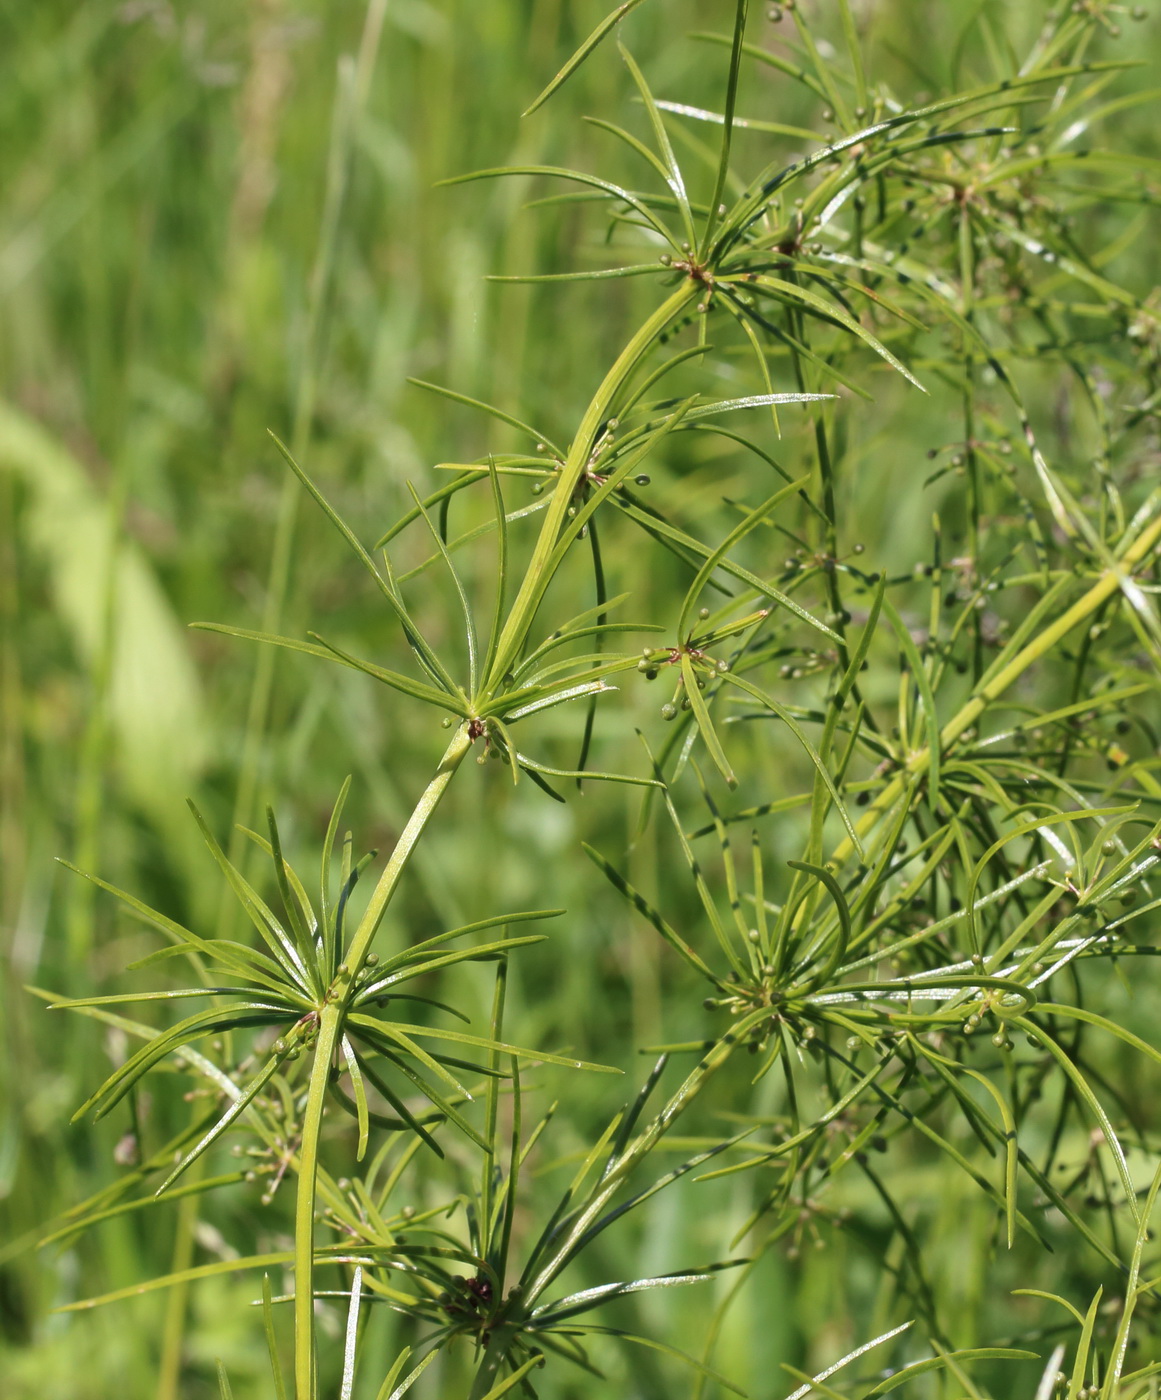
279, 1047
371, 960
537, 488
668, 711
1108, 848
703, 613
642, 479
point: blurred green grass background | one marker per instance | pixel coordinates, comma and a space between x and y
168, 173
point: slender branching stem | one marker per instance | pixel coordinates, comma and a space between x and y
305, 1376
329, 1030
495, 1353
512, 639
377, 906
536, 578
1042, 645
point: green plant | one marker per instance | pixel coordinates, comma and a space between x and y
968, 860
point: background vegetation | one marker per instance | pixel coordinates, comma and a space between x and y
221, 219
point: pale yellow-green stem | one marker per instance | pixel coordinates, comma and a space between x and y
533, 584
512, 638
305, 1377
329, 1030
919, 762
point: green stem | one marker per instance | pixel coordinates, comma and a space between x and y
330, 1027
173, 1331
727, 126
495, 1353
967, 274
538, 575
360, 944
515, 631
93, 768
1083, 608
305, 1375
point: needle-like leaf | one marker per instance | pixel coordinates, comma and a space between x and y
610, 21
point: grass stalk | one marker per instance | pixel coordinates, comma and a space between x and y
173, 1328
352, 83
